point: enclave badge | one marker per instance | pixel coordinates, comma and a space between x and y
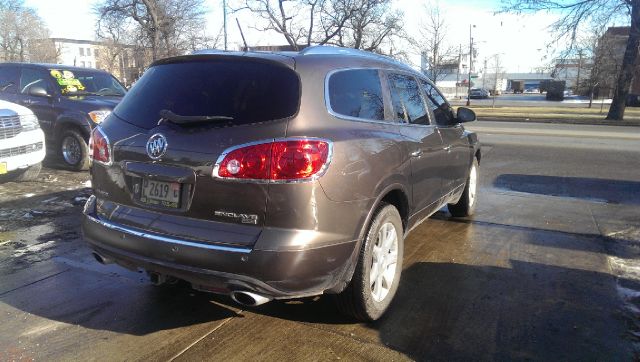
156, 146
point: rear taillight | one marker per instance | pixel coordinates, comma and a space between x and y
99, 147
286, 160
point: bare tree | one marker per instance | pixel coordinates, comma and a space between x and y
361, 24
498, 77
432, 43
23, 34
283, 17
371, 23
167, 27
576, 13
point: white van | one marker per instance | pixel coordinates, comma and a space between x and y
22, 147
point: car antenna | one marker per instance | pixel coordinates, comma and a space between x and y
246, 48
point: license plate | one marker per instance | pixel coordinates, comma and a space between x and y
160, 193
3, 168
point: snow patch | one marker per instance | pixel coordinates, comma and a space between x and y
33, 248
43, 328
627, 268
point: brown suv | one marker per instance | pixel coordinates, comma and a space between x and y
277, 175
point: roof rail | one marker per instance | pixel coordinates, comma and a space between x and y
209, 51
332, 50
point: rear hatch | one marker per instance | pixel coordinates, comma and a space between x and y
198, 106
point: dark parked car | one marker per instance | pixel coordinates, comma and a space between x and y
633, 100
68, 102
478, 93
275, 176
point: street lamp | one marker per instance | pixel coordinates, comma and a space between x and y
470, 64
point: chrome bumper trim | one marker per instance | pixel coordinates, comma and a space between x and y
166, 239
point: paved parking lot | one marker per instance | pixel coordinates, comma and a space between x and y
547, 269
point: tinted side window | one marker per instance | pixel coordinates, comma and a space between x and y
8, 79
441, 109
406, 99
357, 93
33, 78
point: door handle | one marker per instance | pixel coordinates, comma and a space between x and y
27, 101
417, 153
447, 148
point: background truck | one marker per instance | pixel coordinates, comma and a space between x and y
544, 85
517, 86
555, 90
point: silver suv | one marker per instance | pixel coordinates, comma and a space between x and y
277, 175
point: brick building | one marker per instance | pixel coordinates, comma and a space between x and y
608, 60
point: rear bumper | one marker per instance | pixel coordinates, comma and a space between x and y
280, 274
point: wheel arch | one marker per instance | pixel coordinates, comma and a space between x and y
64, 123
395, 194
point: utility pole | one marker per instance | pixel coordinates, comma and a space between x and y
470, 64
224, 20
458, 75
495, 83
579, 67
484, 72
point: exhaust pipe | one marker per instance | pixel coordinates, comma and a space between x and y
249, 299
101, 259
159, 279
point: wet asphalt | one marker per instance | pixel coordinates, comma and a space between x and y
548, 269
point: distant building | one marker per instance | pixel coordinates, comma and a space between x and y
573, 71
451, 72
608, 61
79, 53
125, 62
452, 76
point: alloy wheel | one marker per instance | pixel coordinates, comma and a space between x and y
71, 151
385, 258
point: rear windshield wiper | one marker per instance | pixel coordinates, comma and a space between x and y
166, 114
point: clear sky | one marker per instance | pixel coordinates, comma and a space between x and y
521, 41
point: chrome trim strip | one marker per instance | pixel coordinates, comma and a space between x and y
319, 174
166, 239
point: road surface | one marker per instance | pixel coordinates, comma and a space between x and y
547, 270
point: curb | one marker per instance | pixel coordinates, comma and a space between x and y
561, 121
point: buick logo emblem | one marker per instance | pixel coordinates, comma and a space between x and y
156, 146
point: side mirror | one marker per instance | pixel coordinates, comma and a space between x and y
38, 92
465, 114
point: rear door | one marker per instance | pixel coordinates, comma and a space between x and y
455, 143
422, 139
166, 168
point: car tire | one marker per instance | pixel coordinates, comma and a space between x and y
382, 249
74, 151
29, 174
466, 206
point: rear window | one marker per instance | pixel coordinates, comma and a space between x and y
248, 91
